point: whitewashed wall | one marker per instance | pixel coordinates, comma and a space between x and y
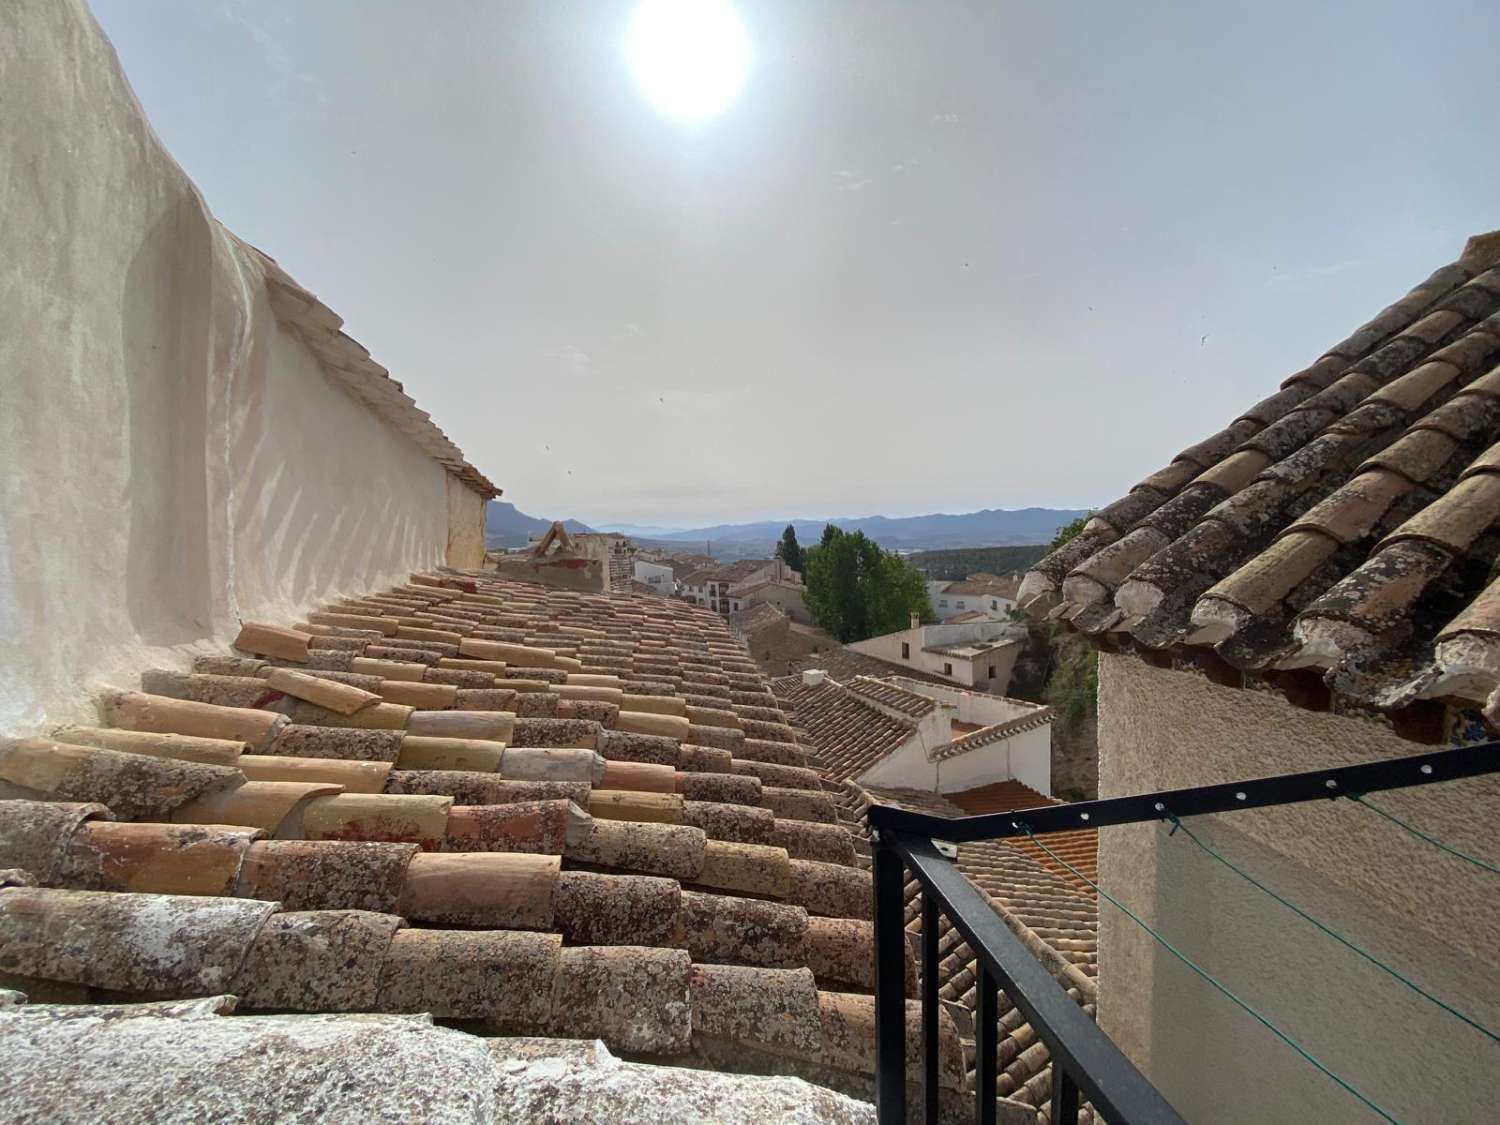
173, 460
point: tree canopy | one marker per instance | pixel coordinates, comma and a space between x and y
1069, 531
789, 550
856, 590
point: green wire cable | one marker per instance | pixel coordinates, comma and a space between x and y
1419, 834
1338, 937
1202, 972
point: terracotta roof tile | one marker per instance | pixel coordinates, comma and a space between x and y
1342, 525
848, 733
845, 664
892, 695
285, 858
1051, 917
1034, 716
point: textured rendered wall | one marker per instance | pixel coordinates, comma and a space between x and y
173, 461
1430, 915
465, 526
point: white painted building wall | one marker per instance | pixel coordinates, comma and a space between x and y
656, 575
174, 460
1024, 756
908, 648
947, 605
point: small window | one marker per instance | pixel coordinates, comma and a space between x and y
992, 671
943, 604
905, 651
947, 669
962, 604
994, 604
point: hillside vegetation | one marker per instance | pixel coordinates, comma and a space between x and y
960, 562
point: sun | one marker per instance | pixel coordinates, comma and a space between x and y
690, 56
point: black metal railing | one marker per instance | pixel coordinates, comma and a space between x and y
1085, 1062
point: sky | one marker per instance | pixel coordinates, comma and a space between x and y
933, 257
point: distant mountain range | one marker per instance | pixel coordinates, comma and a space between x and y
507, 526
993, 527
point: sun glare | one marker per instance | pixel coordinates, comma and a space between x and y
690, 56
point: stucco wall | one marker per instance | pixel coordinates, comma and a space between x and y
1432, 916
1024, 756
465, 526
969, 672
173, 460
788, 599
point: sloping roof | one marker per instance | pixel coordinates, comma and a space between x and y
844, 664
730, 573
1080, 848
757, 617
847, 733
985, 586
555, 812
1035, 716
349, 363
745, 589
892, 695
1336, 540
1056, 923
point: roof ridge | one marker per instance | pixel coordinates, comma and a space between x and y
991, 733
1331, 527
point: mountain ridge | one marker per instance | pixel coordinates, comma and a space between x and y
505, 525
985, 528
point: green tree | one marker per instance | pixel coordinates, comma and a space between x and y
1068, 531
789, 550
1072, 687
856, 590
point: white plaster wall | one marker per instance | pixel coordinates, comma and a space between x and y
997, 608
653, 574
465, 525
326, 496
788, 599
970, 673
907, 767
1024, 757
172, 460
1434, 917
1031, 758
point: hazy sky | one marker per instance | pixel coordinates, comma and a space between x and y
935, 257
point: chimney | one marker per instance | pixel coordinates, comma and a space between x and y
916, 620
813, 677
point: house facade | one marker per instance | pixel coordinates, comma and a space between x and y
713, 586
783, 593
657, 575
1310, 587
973, 654
978, 597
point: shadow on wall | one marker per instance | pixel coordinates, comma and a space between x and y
165, 340
313, 491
